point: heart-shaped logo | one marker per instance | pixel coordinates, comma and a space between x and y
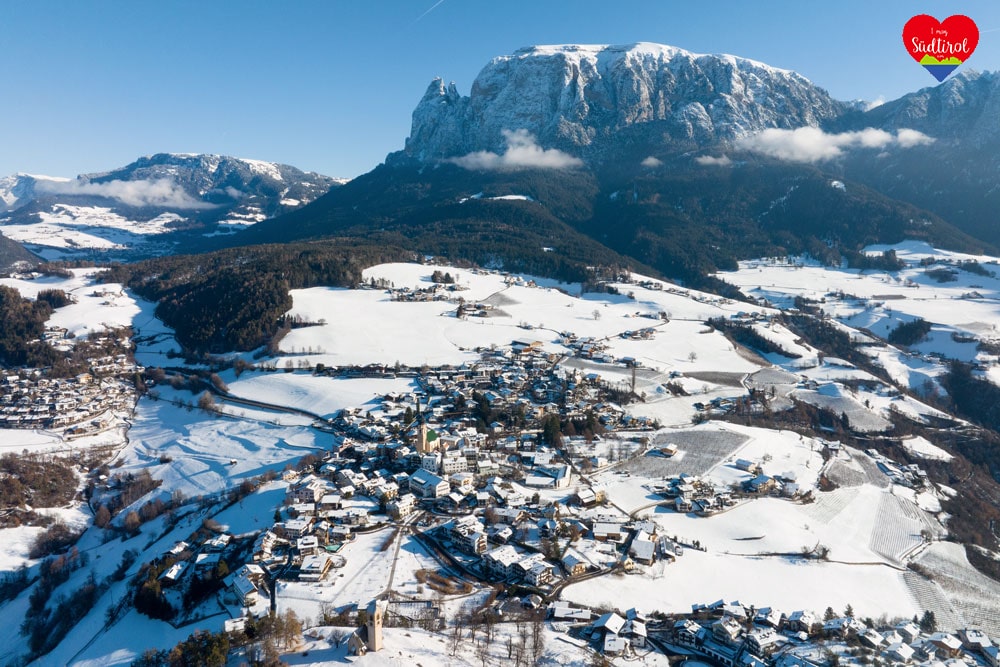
940, 46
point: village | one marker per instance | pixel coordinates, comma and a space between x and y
87, 403
528, 483
471, 468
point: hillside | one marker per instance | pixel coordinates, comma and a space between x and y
154, 206
12, 252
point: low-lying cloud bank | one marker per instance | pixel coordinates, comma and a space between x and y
522, 152
811, 144
161, 192
709, 161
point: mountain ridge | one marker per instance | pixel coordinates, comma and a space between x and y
150, 205
577, 97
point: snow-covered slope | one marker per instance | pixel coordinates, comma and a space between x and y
19, 189
121, 213
574, 97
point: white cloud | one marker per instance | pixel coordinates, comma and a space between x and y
811, 144
710, 161
651, 162
522, 153
908, 138
161, 192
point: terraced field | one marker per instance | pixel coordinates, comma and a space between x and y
845, 474
971, 593
831, 503
702, 450
897, 528
930, 597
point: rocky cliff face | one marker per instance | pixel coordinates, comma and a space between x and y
578, 98
965, 108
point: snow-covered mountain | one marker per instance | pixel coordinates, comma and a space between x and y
577, 98
19, 189
148, 206
965, 107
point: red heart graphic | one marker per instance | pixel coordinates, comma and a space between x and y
955, 37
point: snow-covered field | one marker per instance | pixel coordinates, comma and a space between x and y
784, 583
208, 454
323, 396
366, 326
965, 306
753, 551
66, 230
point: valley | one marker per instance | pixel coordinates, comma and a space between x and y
630, 355
728, 511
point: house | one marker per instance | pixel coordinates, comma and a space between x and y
760, 484
574, 564
727, 630
762, 642
687, 632
608, 532
523, 567
308, 490
428, 485
315, 567
307, 545
635, 632
643, 548
736, 610
296, 528
751, 467
608, 624
206, 562
974, 639
453, 462
402, 507
500, 533
245, 590
468, 533
586, 497
945, 645
871, 638
462, 482
614, 645
561, 611
801, 621
547, 527
303, 509
541, 573
500, 561
330, 502
909, 631
340, 533
508, 515
172, 574
843, 627
263, 547
992, 655
769, 617
899, 652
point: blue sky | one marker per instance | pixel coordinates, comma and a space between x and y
329, 85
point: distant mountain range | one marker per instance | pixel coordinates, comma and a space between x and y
152, 206
683, 162
561, 157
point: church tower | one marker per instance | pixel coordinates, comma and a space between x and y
376, 612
